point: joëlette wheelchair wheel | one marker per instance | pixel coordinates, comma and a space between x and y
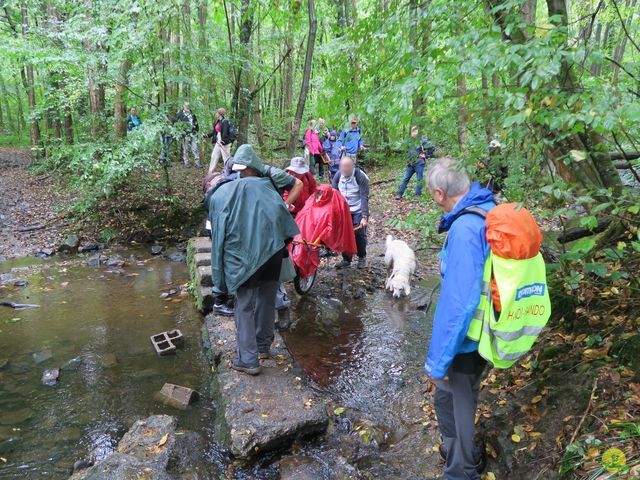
304, 284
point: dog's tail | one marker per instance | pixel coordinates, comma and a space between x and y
389, 240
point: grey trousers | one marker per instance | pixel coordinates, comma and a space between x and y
456, 401
189, 142
255, 312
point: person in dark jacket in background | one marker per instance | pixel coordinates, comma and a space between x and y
453, 361
331, 149
133, 120
353, 184
220, 135
187, 123
418, 150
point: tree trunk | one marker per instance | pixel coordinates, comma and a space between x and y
462, 111
28, 82
119, 102
306, 75
243, 112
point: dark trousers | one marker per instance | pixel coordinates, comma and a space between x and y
361, 238
456, 401
255, 311
410, 170
319, 164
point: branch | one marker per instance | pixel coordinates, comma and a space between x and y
131, 91
617, 64
261, 86
624, 26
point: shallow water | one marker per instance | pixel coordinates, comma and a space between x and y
368, 357
95, 323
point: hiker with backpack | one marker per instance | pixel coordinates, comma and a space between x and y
419, 149
492, 306
224, 133
187, 124
331, 151
353, 184
351, 141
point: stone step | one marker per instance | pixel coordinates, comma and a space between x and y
202, 259
203, 275
200, 244
268, 411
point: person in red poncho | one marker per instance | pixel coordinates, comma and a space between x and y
298, 168
324, 220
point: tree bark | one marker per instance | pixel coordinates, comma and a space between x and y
306, 75
119, 102
463, 137
28, 81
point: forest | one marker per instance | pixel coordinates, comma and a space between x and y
556, 82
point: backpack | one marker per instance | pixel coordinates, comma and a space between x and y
233, 132
515, 279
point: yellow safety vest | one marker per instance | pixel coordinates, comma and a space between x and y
526, 308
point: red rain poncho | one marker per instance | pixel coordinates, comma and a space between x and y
324, 220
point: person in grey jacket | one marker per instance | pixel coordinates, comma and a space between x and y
353, 184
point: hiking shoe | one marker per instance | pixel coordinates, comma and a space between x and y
343, 264
481, 462
264, 355
223, 309
398, 197
198, 165
238, 367
362, 262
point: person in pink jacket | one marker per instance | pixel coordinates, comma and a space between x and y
312, 141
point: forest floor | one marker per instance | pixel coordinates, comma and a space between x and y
570, 406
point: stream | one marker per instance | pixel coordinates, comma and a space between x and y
365, 356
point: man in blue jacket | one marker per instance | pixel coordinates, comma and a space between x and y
453, 361
351, 141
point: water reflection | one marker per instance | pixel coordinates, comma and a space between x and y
96, 325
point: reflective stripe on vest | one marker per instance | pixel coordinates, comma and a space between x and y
526, 308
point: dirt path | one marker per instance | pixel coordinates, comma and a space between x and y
28, 222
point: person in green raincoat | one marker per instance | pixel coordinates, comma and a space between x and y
250, 230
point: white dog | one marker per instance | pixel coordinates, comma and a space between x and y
401, 264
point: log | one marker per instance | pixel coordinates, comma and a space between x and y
581, 232
30, 228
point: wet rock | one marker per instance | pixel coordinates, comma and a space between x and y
268, 411
88, 247
109, 360
174, 255
204, 276
7, 278
143, 452
93, 261
20, 283
299, 467
16, 417
80, 465
50, 377
115, 261
73, 364
156, 249
199, 245
177, 396
3, 363
70, 244
47, 252
42, 356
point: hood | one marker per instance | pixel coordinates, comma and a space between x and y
247, 156
477, 195
325, 193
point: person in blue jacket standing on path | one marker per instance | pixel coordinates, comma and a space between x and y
453, 361
351, 141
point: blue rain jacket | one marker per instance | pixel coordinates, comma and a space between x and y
462, 262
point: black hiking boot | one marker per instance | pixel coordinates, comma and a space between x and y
343, 264
223, 309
